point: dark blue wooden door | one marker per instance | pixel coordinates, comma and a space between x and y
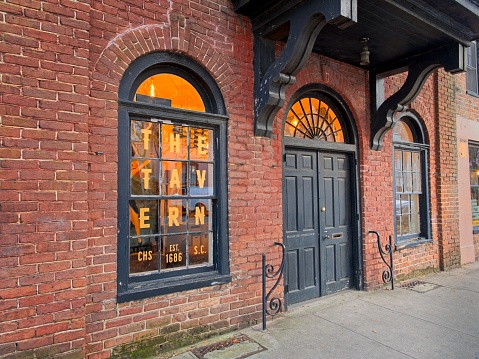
316, 223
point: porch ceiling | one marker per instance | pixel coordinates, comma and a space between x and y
397, 29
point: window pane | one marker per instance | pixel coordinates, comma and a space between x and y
201, 179
402, 132
405, 214
173, 178
415, 227
173, 251
144, 139
201, 144
144, 177
475, 205
200, 248
170, 90
173, 216
199, 218
416, 174
174, 142
143, 254
143, 217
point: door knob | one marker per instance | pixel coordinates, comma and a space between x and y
326, 237
323, 209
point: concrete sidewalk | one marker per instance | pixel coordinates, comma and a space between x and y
436, 317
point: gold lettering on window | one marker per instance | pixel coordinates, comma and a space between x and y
175, 179
145, 256
175, 255
200, 215
144, 217
175, 143
201, 176
173, 214
200, 250
146, 177
146, 137
202, 145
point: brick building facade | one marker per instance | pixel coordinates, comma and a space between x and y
64, 66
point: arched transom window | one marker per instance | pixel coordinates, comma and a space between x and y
170, 90
314, 118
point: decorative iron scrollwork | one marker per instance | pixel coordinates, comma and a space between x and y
275, 303
388, 274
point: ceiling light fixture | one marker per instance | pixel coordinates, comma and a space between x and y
365, 52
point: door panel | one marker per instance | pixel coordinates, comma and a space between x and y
335, 222
301, 232
292, 257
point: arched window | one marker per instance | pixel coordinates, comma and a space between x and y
314, 117
172, 192
410, 182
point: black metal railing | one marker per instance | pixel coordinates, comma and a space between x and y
275, 303
388, 274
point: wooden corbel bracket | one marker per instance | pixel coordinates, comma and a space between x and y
273, 75
452, 58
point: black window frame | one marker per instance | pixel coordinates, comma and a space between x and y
419, 145
472, 76
214, 118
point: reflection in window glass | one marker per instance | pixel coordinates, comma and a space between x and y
199, 248
174, 142
474, 175
408, 190
200, 141
143, 180
171, 197
173, 177
408, 182
173, 251
143, 254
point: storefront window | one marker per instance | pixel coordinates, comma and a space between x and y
171, 194
172, 185
474, 175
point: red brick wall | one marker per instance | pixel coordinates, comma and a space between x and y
44, 171
222, 41
60, 67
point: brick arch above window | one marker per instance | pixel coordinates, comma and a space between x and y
173, 37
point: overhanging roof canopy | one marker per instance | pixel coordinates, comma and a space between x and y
397, 29
414, 35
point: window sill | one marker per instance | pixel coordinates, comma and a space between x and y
411, 243
157, 287
473, 94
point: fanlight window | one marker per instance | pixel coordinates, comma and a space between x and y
313, 118
170, 90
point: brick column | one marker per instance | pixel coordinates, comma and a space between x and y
446, 178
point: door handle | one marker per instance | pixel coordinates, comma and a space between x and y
326, 237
